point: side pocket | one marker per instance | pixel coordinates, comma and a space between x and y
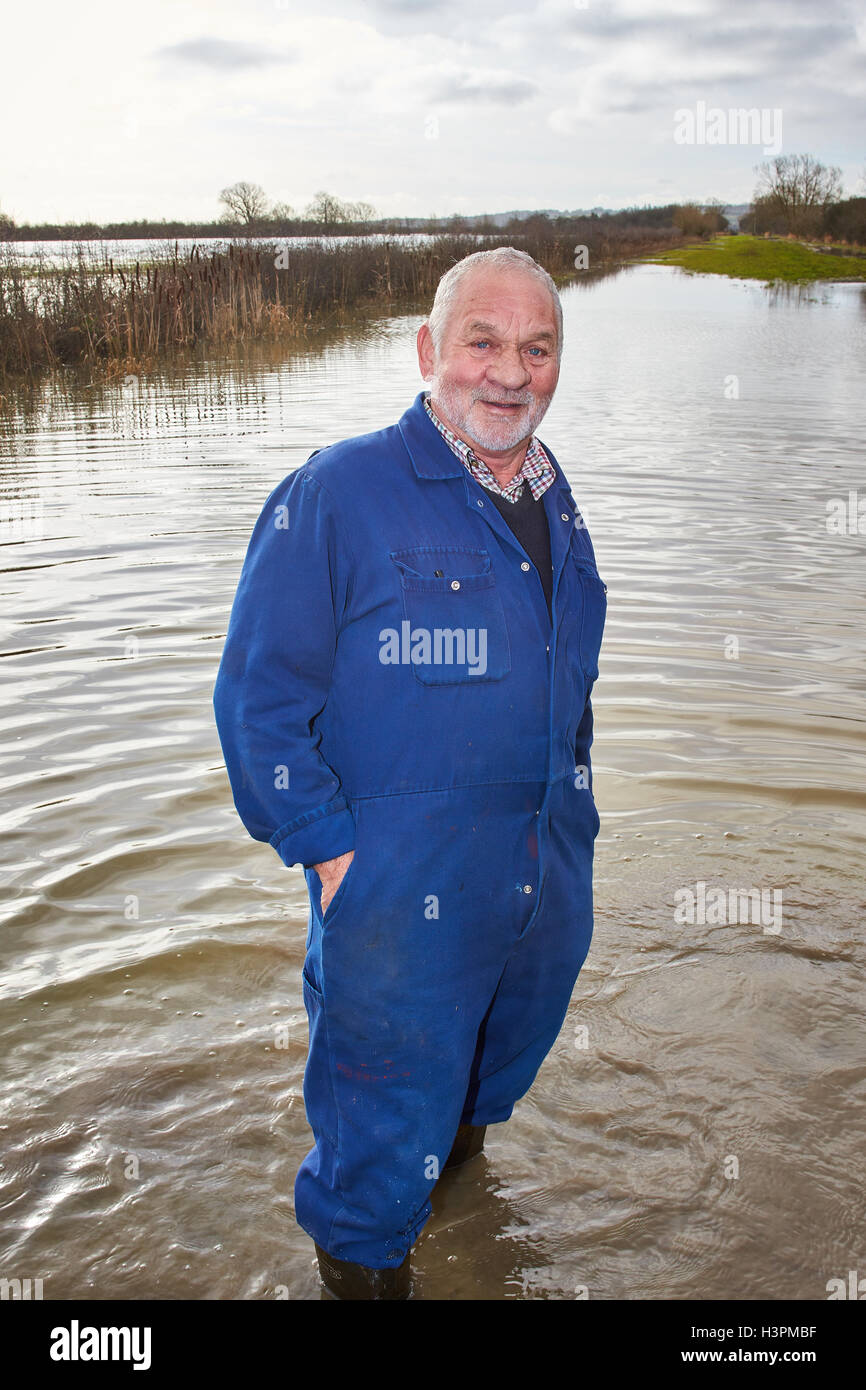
338, 897
594, 612
318, 1089
314, 883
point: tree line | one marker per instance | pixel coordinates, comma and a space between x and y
795, 195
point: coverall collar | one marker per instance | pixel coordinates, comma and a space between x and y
431, 455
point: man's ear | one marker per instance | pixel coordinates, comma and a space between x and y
426, 352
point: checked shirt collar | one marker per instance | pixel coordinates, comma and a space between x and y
536, 469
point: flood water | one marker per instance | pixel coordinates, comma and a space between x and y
697, 1131
125, 251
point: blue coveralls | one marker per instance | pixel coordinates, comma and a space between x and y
440, 975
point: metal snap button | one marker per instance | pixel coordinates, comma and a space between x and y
525, 565
455, 583
565, 516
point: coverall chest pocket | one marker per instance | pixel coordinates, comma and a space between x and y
593, 613
453, 630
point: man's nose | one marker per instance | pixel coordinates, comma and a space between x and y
509, 370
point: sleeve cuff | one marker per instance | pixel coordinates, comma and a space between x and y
322, 837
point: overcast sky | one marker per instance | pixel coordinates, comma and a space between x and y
112, 111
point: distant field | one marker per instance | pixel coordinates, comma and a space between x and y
753, 258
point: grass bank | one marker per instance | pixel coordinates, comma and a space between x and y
754, 258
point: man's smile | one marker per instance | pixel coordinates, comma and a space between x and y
504, 405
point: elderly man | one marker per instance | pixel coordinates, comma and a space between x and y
403, 704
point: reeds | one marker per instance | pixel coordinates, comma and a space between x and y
93, 310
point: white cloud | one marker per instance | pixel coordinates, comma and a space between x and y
535, 105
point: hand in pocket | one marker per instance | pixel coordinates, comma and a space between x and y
331, 874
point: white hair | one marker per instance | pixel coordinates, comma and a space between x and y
501, 257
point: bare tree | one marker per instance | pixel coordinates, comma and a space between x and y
694, 220
244, 202
361, 212
328, 210
714, 210
797, 189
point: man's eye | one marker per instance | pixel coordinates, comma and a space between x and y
540, 352
481, 343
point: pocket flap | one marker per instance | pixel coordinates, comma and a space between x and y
442, 561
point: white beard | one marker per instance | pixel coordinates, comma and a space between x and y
493, 436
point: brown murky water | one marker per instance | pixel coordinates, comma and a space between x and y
697, 1132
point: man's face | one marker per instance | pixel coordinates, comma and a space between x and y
497, 367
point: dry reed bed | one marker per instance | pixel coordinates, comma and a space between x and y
95, 311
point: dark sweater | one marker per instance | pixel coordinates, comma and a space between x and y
528, 521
